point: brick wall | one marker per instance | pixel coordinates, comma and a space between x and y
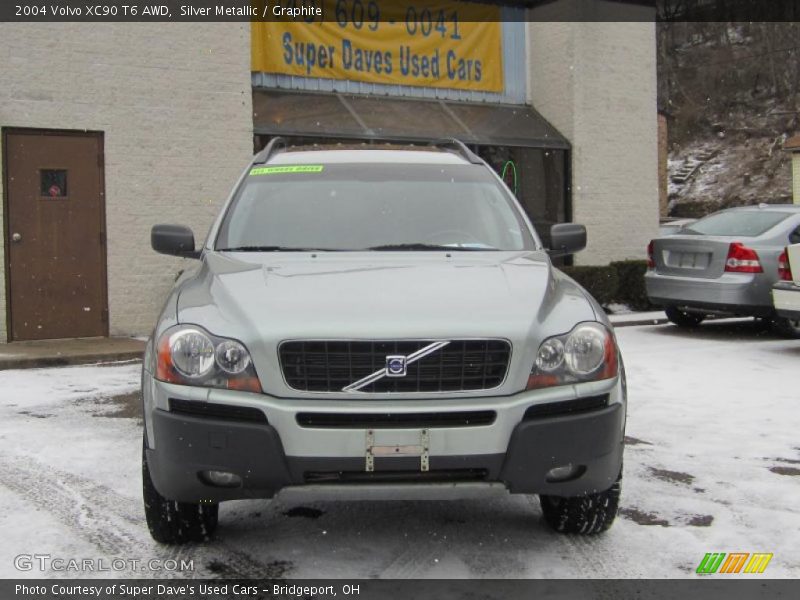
174, 103
596, 83
796, 177
663, 171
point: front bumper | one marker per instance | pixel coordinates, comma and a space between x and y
524, 441
732, 293
786, 297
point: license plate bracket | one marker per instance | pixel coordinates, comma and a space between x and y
421, 449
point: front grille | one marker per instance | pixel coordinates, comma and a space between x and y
211, 410
329, 366
470, 418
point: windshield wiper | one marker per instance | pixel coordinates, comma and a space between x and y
421, 246
399, 247
274, 249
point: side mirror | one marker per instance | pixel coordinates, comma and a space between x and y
567, 238
175, 240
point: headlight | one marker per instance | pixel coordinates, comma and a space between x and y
587, 353
585, 349
192, 352
188, 355
551, 355
232, 357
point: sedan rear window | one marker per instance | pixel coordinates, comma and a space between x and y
740, 223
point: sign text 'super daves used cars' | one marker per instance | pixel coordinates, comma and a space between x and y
448, 44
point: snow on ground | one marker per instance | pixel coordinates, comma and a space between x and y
712, 465
652, 317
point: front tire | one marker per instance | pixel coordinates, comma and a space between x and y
681, 318
172, 522
586, 515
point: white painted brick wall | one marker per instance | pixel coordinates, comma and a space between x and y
174, 102
596, 83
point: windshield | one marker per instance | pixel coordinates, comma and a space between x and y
372, 206
739, 223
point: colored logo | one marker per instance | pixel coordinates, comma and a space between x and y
733, 562
287, 169
395, 366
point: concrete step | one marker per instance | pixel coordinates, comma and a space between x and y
80, 351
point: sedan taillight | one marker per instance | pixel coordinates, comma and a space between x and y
651, 263
784, 268
742, 259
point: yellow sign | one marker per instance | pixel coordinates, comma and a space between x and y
427, 43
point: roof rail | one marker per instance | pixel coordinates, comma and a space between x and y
460, 148
275, 144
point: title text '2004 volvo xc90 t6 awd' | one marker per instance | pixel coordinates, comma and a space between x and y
378, 322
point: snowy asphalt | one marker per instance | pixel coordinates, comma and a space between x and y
712, 464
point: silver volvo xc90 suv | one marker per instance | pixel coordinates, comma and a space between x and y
378, 322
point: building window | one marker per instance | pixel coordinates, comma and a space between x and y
53, 183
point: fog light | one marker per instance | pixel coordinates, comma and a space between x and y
221, 478
565, 473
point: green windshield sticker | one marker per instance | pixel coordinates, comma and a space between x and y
287, 169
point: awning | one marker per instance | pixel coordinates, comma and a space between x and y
393, 119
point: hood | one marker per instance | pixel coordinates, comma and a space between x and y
265, 298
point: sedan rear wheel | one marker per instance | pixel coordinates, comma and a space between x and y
681, 318
788, 328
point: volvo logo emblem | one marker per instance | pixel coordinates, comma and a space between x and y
396, 366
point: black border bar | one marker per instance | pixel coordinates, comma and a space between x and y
97, 11
707, 588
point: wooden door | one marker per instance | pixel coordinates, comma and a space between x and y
55, 234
